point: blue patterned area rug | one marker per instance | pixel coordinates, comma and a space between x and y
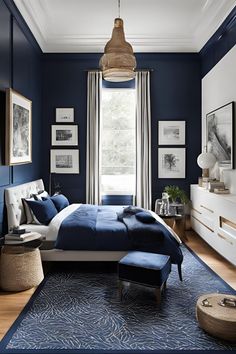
80, 312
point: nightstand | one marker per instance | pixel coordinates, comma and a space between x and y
175, 219
177, 223
21, 266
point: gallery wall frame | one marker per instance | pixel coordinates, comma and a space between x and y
171, 162
64, 135
171, 132
220, 135
64, 161
65, 115
18, 148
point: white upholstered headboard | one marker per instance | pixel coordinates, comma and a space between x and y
13, 199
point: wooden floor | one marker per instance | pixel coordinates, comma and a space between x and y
221, 266
11, 304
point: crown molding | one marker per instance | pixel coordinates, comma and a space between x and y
32, 17
96, 44
210, 21
210, 17
21, 22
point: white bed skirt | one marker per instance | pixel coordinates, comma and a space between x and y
81, 256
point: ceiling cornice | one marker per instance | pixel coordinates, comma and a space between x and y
140, 43
31, 18
37, 16
209, 24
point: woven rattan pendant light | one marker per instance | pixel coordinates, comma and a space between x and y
118, 61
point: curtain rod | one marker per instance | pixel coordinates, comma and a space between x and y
97, 70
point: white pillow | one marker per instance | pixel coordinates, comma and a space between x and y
40, 195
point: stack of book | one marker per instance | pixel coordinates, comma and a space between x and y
25, 237
215, 185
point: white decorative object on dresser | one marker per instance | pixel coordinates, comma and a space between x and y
213, 217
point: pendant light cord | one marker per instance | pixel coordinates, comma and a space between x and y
119, 8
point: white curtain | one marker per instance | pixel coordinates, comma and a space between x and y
94, 83
143, 141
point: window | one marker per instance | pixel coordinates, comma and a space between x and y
118, 146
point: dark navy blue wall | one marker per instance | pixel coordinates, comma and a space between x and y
20, 68
175, 95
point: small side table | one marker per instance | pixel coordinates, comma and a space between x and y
177, 223
217, 320
21, 265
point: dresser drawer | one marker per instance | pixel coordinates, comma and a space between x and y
213, 217
203, 230
227, 245
205, 218
203, 200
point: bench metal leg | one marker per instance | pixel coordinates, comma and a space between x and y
158, 295
120, 287
180, 272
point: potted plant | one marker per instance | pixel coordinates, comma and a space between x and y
176, 194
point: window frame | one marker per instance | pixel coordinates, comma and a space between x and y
118, 89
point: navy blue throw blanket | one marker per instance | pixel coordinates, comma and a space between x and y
113, 228
95, 228
153, 237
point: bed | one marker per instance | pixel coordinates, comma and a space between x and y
114, 252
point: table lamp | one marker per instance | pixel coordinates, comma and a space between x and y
206, 160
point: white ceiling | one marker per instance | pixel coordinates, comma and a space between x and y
150, 25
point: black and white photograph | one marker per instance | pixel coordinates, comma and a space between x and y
64, 115
64, 135
171, 132
18, 129
171, 163
64, 161
219, 135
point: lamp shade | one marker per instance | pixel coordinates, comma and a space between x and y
206, 160
118, 61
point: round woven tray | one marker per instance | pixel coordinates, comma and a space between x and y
217, 320
21, 268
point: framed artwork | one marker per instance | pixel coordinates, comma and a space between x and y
18, 129
171, 163
64, 134
64, 115
64, 161
171, 132
220, 133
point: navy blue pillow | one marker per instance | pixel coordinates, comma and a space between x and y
44, 210
145, 217
132, 209
60, 201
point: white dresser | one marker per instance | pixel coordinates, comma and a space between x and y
213, 217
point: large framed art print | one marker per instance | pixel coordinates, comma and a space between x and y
220, 135
18, 129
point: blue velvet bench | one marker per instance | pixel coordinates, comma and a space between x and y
144, 268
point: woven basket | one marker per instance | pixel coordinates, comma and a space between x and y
21, 268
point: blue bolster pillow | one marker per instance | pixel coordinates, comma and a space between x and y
145, 217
